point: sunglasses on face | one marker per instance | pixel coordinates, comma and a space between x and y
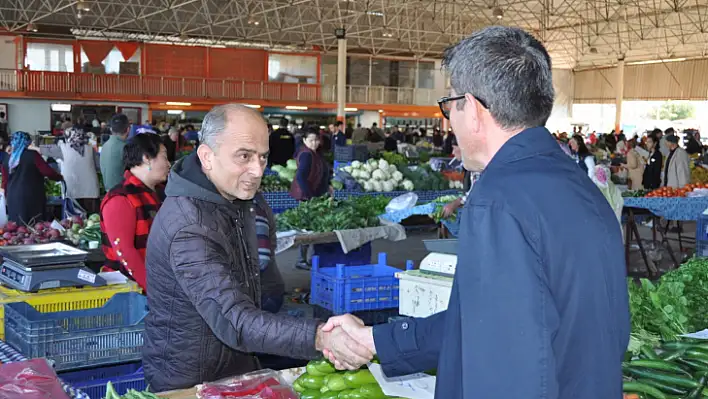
445, 104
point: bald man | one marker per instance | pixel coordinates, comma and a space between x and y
203, 273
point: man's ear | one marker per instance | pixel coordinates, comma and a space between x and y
206, 156
474, 112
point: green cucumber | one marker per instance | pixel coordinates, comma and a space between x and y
696, 393
694, 364
697, 355
648, 353
659, 365
665, 378
638, 387
666, 388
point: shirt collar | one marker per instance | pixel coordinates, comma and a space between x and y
528, 143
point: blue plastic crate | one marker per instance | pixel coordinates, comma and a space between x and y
331, 254
348, 153
369, 317
93, 381
269, 172
702, 228
345, 289
77, 339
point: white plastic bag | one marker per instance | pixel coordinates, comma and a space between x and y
402, 202
3, 210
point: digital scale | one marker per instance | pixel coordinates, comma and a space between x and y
442, 258
32, 268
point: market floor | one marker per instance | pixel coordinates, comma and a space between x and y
412, 249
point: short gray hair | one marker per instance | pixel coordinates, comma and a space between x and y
214, 122
509, 70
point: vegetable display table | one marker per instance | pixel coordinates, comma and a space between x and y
288, 376
671, 209
9, 355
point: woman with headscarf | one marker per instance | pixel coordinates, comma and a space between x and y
79, 169
23, 174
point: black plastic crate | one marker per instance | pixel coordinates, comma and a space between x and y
348, 153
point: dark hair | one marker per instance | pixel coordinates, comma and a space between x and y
145, 144
582, 148
656, 131
374, 124
653, 137
2, 114
119, 124
506, 68
669, 131
309, 133
339, 123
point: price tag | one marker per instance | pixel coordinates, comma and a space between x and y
87, 276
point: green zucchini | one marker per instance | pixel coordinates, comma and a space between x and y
666, 388
665, 378
659, 365
694, 364
696, 393
698, 355
638, 387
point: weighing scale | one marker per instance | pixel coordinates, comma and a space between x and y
442, 258
35, 267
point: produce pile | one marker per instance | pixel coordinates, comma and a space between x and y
375, 175
635, 193
440, 203
272, 183
426, 179
325, 214
286, 172
323, 381
52, 188
81, 232
699, 174
670, 192
131, 394
76, 230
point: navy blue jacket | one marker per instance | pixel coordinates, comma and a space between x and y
539, 306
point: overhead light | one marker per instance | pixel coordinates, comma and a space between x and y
82, 6
322, 127
497, 13
253, 22
296, 107
255, 106
175, 112
60, 107
657, 61
178, 104
375, 13
351, 109
31, 27
381, 111
79, 15
387, 33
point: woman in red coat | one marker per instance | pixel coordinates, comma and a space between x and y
127, 210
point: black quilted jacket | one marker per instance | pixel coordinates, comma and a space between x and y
204, 290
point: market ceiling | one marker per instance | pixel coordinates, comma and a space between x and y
578, 33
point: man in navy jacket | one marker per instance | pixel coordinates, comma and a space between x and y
539, 306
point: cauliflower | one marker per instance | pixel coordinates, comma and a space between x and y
459, 185
355, 173
397, 176
383, 164
377, 186
348, 169
407, 185
392, 169
356, 164
452, 184
364, 175
368, 186
388, 186
373, 162
378, 175
367, 167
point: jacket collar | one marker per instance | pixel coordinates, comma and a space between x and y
526, 144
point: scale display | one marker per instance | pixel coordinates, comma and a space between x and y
442, 259
36, 267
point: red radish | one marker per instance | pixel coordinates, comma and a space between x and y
39, 227
7, 236
28, 241
77, 220
53, 233
11, 226
22, 229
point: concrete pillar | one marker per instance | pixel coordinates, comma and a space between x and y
619, 86
341, 77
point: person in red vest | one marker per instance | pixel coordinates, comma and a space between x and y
127, 211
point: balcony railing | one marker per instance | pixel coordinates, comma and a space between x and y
383, 95
142, 88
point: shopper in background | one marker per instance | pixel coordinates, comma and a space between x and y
282, 147
437, 139
677, 172
339, 138
652, 171
582, 155
4, 128
390, 143
360, 135
78, 167
272, 284
662, 140
67, 123
532, 314
311, 180
128, 209
23, 174
204, 282
694, 145
111, 159
171, 142
635, 166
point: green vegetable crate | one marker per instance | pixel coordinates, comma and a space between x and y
345, 289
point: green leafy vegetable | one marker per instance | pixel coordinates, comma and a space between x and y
325, 214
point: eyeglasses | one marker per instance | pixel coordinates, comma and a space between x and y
445, 104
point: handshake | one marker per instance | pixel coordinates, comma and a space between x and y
346, 342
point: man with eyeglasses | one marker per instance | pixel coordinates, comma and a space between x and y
535, 312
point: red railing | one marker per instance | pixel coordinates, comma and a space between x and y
133, 87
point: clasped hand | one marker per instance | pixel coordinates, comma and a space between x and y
346, 342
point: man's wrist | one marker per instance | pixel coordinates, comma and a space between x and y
319, 338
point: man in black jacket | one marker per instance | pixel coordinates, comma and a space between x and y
206, 318
652, 172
